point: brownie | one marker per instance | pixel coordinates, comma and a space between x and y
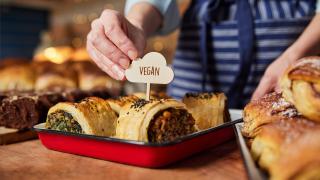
22, 110
19, 112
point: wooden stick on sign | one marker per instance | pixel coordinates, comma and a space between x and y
148, 92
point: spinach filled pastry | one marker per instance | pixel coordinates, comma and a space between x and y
154, 121
208, 109
92, 116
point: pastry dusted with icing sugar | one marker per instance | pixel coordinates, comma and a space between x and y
301, 86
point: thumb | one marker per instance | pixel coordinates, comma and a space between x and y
265, 86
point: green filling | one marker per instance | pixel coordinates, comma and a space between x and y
63, 121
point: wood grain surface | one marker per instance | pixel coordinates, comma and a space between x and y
8, 135
31, 160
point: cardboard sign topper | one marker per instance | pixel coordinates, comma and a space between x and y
152, 68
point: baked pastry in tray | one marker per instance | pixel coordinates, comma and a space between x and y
270, 144
17, 77
154, 121
117, 104
91, 116
208, 109
267, 109
153, 95
299, 158
301, 86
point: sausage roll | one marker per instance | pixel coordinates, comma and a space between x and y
208, 109
301, 86
91, 116
153, 95
154, 121
117, 104
17, 77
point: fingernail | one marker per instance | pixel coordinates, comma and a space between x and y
132, 54
118, 72
124, 63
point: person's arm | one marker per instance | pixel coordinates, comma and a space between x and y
115, 40
168, 10
146, 17
307, 44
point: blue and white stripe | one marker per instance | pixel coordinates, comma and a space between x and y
277, 25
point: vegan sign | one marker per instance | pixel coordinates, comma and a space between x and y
152, 68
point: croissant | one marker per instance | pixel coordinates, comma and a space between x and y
154, 121
90, 116
301, 86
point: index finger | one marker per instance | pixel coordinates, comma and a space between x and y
114, 32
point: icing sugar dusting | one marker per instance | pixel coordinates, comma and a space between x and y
313, 62
280, 104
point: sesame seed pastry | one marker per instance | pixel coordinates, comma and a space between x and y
118, 103
154, 121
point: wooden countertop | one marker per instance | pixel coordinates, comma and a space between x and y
31, 160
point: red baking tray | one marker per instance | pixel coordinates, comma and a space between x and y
152, 155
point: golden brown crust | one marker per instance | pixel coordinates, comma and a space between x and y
153, 95
208, 109
135, 117
299, 158
307, 69
94, 115
270, 108
17, 77
301, 86
272, 137
117, 104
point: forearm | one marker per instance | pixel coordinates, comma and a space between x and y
309, 41
146, 17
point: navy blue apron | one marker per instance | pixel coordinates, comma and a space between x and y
226, 45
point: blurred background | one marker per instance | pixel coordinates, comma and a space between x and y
55, 30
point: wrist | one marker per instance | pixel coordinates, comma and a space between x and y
295, 53
138, 24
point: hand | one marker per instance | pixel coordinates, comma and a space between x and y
270, 80
113, 42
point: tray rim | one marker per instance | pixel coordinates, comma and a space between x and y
253, 171
39, 128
